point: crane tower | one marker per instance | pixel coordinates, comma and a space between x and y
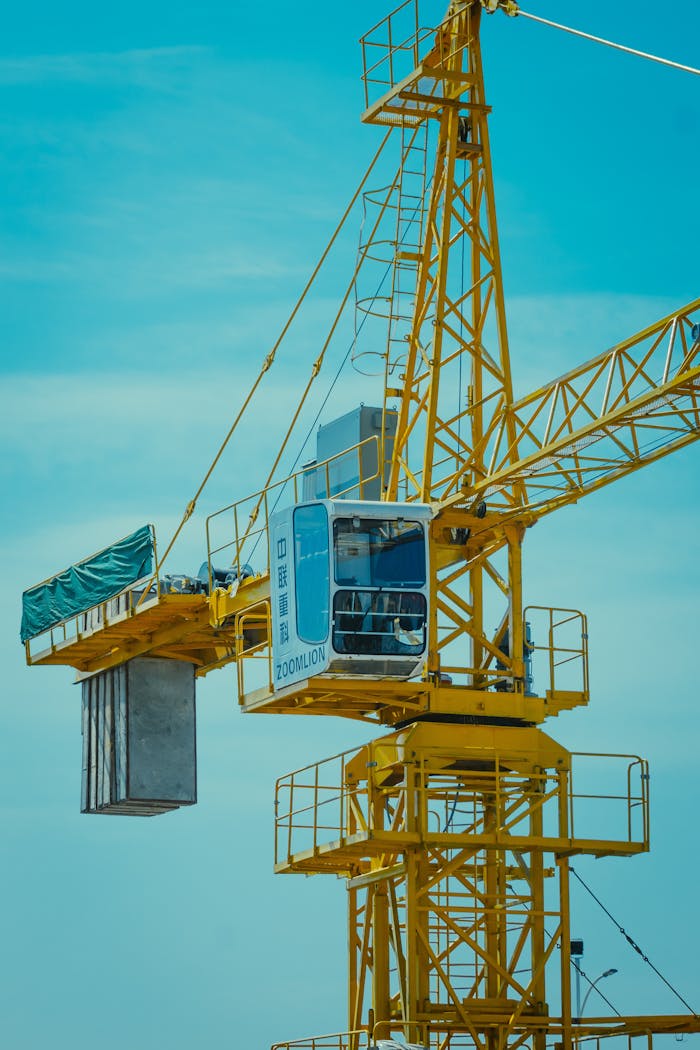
405, 608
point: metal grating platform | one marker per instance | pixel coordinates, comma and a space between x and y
123, 626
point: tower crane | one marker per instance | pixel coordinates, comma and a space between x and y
383, 582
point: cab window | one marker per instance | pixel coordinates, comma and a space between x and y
371, 552
311, 569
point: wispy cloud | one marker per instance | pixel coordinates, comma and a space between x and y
550, 334
159, 270
145, 67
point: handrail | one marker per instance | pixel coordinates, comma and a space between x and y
318, 804
251, 618
561, 654
329, 1041
263, 499
381, 38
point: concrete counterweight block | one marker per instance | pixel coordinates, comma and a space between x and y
139, 738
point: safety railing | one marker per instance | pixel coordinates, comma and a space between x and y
613, 1041
630, 800
238, 534
441, 1035
555, 654
599, 806
313, 806
123, 604
561, 637
641, 1038
253, 631
391, 49
401, 85
356, 1040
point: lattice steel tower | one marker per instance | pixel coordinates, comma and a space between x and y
455, 829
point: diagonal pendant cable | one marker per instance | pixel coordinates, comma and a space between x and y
320, 359
515, 11
631, 942
270, 358
593, 987
338, 373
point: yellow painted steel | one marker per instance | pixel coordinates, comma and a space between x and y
454, 830
442, 832
448, 832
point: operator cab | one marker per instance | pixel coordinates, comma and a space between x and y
349, 589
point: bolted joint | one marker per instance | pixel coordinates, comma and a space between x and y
509, 7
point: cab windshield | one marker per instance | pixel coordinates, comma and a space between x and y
372, 552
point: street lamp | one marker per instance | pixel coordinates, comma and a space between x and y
576, 952
606, 973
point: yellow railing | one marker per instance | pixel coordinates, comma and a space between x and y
253, 631
238, 533
605, 800
633, 796
356, 1040
390, 49
313, 805
613, 1041
565, 647
434, 1035
392, 59
559, 651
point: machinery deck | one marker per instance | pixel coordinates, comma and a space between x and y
121, 629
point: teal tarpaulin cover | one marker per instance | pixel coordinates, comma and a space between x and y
88, 583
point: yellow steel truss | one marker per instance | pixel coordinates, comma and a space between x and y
454, 831
449, 832
447, 835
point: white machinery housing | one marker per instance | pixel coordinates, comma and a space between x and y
349, 589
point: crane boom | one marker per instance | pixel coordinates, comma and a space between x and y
627, 407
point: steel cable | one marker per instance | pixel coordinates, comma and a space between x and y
593, 987
270, 357
330, 389
632, 943
518, 12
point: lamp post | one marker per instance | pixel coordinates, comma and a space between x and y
606, 973
576, 952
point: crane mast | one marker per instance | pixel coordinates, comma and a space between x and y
455, 828
451, 317
451, 828
457, 309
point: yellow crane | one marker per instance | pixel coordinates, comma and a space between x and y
388, 587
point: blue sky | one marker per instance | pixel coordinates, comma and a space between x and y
169, 176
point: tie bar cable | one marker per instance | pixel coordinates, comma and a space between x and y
511, 8
632, 943
593, 987
318, 363
270, 358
